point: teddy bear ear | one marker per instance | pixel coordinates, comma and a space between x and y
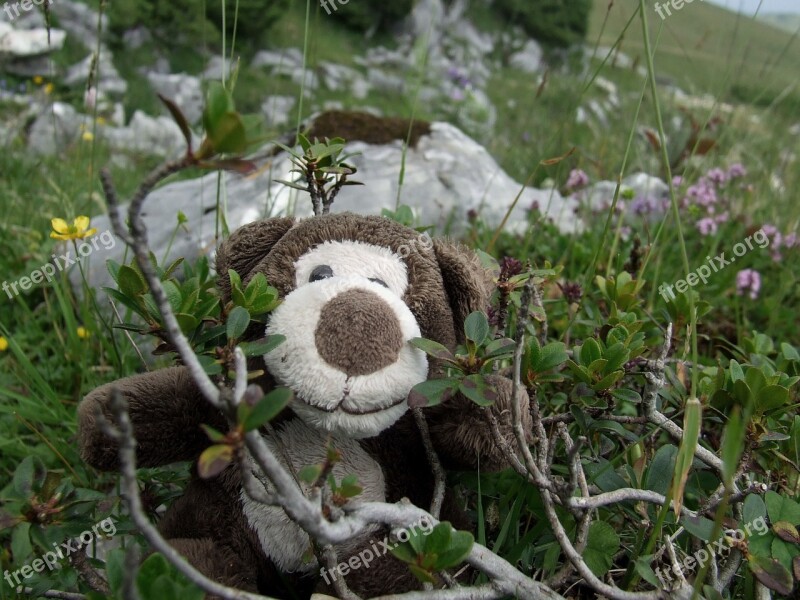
466, 281
246, 247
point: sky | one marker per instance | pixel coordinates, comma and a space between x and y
767, 6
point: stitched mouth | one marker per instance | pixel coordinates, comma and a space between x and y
351, 411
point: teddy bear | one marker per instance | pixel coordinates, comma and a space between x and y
355, 289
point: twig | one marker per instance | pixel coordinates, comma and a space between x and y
439, 476
136, 239
92, 578
53, 594
656, 381
339, 584
127, 459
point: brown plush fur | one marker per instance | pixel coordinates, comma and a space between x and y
207, 523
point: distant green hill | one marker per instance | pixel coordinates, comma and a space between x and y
707, 49
787, 21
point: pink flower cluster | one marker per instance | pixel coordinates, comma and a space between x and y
706, 195
779, 241
748, 281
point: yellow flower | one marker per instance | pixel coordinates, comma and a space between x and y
87, 136
77, 231
3, 344
38, 80
101, 120
48, 89
83, 333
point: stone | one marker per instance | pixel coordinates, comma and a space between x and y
54, 129
23, 43
109, 81
289, 57
385, 82
277, 110
448, 176
79, 21
528, 59
184, 90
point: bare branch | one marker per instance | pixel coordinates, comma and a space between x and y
130, 491
439, 477
344, 592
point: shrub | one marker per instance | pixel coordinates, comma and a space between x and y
183, 21
553, 22
364, 16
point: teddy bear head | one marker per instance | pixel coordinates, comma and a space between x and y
355, 289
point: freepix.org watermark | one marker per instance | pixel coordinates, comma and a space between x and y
703, 555
25, 5
52, 559
668, 7
60, 263
367, 555
715, 264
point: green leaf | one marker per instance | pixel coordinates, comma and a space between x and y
602, 544
237, 322
771, 397
661, 468
229, 136
437, 541
432, 392
310, 473
218, 103
786, 531
213, 460
753, 508
626, 395
267, 408
732, 444
262, 347
179, 118
692, 418
24, 475
434, 349
736, 371
21, 546
780, 508
461, 543
590, 352
551, 356
131, 283
476, 327
771, 573
616, 355
476, 389
213, 434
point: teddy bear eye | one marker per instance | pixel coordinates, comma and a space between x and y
379, 281
319, 273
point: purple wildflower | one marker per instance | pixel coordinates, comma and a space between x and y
577, 179
736, 170
717, 176
749, 281
706, 226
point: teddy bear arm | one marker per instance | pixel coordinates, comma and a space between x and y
166, 410
461, 432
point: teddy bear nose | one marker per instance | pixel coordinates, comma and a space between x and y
358, 333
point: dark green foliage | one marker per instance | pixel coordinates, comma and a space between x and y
365, 16
177, 22
554, 23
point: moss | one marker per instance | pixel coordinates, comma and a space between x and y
368, 128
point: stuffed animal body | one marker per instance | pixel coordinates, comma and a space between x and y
355, 290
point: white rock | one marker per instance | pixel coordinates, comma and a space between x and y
529, 59
447, 175
290, 57
21, 43
277, 109
109, 81
184, 90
